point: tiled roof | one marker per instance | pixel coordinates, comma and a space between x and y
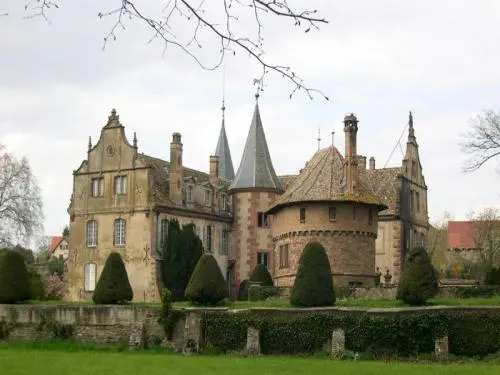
256, 168
386, 185
56, 240
461, 234
226, 169
323, 180
287, 180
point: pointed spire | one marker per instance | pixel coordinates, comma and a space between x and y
90, 144
256, 168
411, 130
135, 140
226, 169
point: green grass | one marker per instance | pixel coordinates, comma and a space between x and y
15, 360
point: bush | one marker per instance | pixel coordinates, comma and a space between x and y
37, 289
243, 290
313, 284
406, 333
55, 288
113, 286
476, 291
14, 283
56, 266
260, 274
207, 285
268, 291
493, 276
419, 280
254, 292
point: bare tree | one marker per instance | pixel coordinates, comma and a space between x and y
223, 20
487, 237
21, 212
437, 242
483, 140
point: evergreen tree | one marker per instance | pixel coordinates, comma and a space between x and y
113, 286
14, 283
207, 285
243, 290
65, 232
419, 280
181, 251
37, 289
313, 284
261, 275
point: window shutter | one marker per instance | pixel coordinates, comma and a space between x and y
92, 276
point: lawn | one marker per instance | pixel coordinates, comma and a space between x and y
16, 360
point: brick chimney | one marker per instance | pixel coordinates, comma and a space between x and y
351, 157
372, 163
175, 173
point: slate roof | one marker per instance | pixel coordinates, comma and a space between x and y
256, 168
323, 180
226, 169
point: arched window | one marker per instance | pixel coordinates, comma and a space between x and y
119, 232
91, 233
89, 273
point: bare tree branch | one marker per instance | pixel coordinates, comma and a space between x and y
20, 201
483, 141
194, 12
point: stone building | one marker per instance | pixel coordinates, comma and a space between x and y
122, 201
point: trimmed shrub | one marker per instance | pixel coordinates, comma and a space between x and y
113, 286
493, 276
207, 285
419, 281
260, 274
14, 283
243, 290
313, 284
268, 291
37, 289
254, 292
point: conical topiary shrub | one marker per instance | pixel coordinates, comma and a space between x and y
261, 275
419, 281
207, 285
243, 290
313, 284
14, 282
113, 286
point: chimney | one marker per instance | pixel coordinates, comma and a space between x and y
351, 158
372, 163
214, 169
362, 162
175, 173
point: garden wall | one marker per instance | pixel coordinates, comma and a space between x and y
382, 332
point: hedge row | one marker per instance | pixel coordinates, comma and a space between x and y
397, 334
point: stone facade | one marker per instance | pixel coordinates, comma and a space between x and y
122, 199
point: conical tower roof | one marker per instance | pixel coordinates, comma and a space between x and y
256, 168
226, 169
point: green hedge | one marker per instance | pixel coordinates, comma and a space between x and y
477, 291
394, 334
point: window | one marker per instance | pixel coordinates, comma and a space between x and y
284, 256
332, 213
222, 202
354, 212
263, 258
370, 216
119, 232
417, 199
412, 203
262, 220
189, 195
224, 236
302, 215
91, 233
89, 277
208, 198
208, 238
163, 231
98, 187
121, 185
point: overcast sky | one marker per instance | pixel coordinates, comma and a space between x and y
378, 59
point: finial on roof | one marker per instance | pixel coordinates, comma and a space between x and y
113, 117
90, 144
319, 138
333, 137
410, 126
135, 140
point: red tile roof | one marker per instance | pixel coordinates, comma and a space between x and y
56, 240
461, 235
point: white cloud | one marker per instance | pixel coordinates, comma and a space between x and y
377, 59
